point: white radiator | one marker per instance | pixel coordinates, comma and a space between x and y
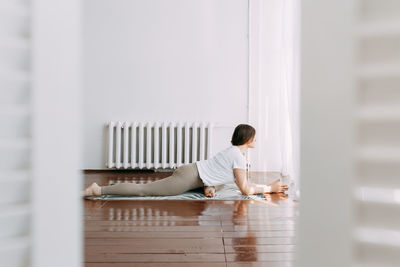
154, 145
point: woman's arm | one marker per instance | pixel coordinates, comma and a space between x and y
248, 188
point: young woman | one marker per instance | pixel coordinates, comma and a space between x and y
225, 167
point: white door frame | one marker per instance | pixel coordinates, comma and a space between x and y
327, 99
56, 94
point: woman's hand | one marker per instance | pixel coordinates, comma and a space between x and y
209, 191
278, 188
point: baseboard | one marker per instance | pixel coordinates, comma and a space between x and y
118, 170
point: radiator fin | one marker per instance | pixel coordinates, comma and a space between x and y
155, 145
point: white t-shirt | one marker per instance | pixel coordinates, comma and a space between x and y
218, 169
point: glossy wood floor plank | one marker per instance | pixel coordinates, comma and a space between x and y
204, 245
153, 235
259, 256
116, 227
154, 223
163, 264
261, 264
259, 240
260, 248
187, 233
246, 228
126, 217
152, 257
259, 234
153, 249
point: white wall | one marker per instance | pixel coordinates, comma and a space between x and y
162, 60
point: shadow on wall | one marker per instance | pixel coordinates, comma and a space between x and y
104, 136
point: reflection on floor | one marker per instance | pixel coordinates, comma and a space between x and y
187, 233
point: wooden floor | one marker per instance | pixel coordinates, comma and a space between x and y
187, 233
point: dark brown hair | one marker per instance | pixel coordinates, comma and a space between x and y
242, 134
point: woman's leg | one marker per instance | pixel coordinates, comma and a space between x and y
183, 179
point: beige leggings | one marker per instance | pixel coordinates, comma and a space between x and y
183, 179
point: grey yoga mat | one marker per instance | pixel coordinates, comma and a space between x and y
228, 192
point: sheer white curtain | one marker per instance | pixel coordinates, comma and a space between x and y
274, 85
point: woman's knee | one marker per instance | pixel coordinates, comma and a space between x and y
178, 171
142, 192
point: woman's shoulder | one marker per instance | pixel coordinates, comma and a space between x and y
235, 151
231, 151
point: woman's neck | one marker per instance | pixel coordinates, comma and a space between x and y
243, 148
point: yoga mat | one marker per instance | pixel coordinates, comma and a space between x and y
228, 192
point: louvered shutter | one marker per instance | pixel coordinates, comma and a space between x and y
15, 134
377, 222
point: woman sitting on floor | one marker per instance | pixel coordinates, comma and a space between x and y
225, 167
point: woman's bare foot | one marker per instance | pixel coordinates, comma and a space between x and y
209, 191
92, 190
